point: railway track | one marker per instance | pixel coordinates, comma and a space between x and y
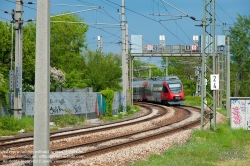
28, 139
30, 135
89, 148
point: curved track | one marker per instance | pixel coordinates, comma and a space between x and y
159, 127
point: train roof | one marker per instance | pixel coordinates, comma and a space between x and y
138, 82
165, 78
158, 80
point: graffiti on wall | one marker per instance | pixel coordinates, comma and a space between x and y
61, 102
237, 119
240, 113
77, 103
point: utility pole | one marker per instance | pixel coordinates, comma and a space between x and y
124, 75
215, 59
41, 151
224, 66
18, 60
208, 50
163, 47
228, 78
126, 66
99, 38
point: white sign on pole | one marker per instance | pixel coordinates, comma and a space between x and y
214, 79
162, 37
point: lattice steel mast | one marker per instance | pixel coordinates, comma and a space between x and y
208, 50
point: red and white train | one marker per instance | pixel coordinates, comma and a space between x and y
167, 90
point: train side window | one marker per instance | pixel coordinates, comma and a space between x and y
164, 89
157, 88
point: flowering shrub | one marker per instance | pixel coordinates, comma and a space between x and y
28, 88
57, 78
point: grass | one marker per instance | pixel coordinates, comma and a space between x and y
12, 126
207, 148
67, 119
195, 100
130, 111
223, 147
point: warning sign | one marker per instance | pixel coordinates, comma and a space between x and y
194, 47
149, 47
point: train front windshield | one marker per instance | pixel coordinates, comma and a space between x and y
175, 87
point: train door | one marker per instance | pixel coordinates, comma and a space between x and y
165, 92
157, 89
149, 92
136, 94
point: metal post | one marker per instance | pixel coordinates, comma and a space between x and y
99, 38
214, 60
126, 67
208, 49
224, 65
11, 54
203, 87
228, 79
18, 61
132, 76
221, 73
42, 85
124, 87
166, 66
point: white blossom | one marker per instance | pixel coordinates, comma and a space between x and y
57, 76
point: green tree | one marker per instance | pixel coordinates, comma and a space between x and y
5, 59
29, 47
3, 90
75, 79
103, 71
139, 70
240, 48
67, 42
5, 48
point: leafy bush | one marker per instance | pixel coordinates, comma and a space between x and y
67, 119
129, 110
109, 96
9, 123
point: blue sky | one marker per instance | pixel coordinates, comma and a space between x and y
141, 18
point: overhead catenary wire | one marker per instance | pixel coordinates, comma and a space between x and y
115, 6
149, 19
6, 12
192, 17
225, 12
177, 23
102, 11
63, 14
73, 5
5, 18
23, 5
